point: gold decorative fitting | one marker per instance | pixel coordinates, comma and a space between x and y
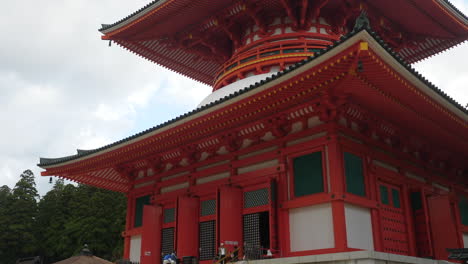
363, 46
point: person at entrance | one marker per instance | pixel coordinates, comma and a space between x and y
235, 254
170, 259
222, 253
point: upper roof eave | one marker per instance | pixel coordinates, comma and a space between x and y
107, 28
450, 103
454, 10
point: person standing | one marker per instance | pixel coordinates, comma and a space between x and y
222, 253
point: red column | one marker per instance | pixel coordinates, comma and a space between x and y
128, 222
230, 215
337, 186
151, 234
375, 213
187, 226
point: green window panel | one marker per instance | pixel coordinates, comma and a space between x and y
169, 215
396, 198
384, 195
139, 203
354, 174
416, 201
208, 207
308, 174
463, 207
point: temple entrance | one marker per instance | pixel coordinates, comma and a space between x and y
207, 240
256, 234
394, 226
167, 241
421, 227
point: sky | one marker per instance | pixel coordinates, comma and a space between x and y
63, 88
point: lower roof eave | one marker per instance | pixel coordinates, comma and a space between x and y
363, 35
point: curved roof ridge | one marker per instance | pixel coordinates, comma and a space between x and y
143, 10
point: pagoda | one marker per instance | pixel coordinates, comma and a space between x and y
318, 143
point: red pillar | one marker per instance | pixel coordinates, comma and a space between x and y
187, 226
151, 235
230, 215
337, 186
128, 222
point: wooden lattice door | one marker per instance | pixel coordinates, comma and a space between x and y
393, 220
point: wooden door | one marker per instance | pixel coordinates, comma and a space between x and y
393, 220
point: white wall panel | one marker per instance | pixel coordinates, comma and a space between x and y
135, 248
311, 228
465, 240
359, 227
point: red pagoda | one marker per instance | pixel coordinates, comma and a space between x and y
319, 142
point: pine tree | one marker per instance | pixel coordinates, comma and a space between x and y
19, 219
5, 196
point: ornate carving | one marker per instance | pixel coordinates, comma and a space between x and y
330, 107
231, 141
155, 163
126, 170
279, 125
190, 153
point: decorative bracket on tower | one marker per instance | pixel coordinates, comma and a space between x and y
190, 153
280, 125
330, 107
155, 163
126, 171
289, 6
253, 11
227, 26
231, 141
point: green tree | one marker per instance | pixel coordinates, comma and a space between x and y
53, 213
70, 216
5, 196
61, 222
19, 219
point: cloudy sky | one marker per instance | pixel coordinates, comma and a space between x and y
62, 88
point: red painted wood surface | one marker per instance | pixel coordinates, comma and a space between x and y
424, 248
187, 226
394, 224
151, 235
443, 228
230, 215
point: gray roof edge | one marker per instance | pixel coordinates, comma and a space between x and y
106, 28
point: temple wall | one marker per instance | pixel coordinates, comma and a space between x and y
363, 198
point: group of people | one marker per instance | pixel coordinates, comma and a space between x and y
224, 256
233, 257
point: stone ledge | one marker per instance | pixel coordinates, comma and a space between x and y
354, 257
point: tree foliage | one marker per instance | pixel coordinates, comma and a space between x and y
57, 225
